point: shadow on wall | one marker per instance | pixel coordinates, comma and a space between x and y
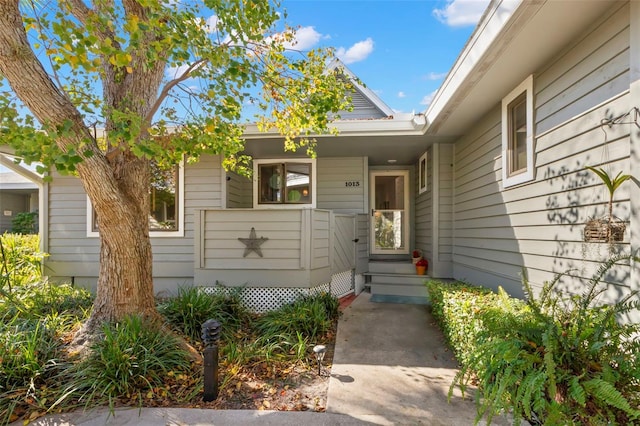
578, 195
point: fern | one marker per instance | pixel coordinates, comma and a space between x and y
562, 360
608, 394
576, 391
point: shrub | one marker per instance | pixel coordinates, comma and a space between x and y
30, 357
192, 307
25, 223
311, 316
134, 358
20, 260
45, 300
457, 308
563, 360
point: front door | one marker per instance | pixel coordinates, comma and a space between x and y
390, 212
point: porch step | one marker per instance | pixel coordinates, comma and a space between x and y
396, 282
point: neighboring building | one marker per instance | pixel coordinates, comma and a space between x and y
489, 180
17, 195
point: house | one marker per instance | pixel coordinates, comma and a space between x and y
19, 193
489, 180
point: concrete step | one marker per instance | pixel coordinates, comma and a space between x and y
399, 293
392, 267
397, 278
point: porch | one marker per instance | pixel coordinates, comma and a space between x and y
277, 255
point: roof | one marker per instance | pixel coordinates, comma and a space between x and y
512, 40
367, 95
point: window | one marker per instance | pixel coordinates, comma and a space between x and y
166, 207
284, 184
517, 135
422, 174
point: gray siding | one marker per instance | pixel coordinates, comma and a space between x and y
539, 225
363, 108
73, 254
333, 191
445, 211
239, 191
298, 251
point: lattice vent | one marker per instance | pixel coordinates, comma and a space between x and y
263, 299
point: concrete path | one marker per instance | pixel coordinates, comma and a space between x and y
390, 367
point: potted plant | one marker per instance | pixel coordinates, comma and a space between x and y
608, 228
416, 255
421, 266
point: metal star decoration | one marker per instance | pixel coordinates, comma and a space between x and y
253, 243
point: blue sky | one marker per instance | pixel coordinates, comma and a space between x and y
401, 49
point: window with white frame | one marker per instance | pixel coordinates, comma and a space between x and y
166, 203
422, 173
284, 183
517, 135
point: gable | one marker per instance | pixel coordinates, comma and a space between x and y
366, 104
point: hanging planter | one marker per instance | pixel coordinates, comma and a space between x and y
607, 229
603, 230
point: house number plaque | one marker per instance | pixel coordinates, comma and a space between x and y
352, 183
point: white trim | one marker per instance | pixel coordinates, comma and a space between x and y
153, 234
284, 206
423, 158
528, 174
407, 210
434, 262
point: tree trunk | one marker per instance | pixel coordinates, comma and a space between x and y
117, 186
125, 282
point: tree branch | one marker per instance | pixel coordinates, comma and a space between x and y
170, 85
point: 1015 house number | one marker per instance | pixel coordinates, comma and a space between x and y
352, 183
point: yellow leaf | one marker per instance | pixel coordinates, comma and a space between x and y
150, 394
129, 70
266, 404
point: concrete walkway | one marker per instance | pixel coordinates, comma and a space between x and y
390, 367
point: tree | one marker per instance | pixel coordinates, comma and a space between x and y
165, 84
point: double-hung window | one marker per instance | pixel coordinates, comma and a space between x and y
284, 183
517, 135
166, 203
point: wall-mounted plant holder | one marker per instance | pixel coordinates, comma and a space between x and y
607, 229
602, 230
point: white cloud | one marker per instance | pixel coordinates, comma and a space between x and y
358, 52
305, 39
212, 23
175, 72
435, 75
458, 13
402, 95
428, 98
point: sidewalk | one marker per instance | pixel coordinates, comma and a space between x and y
390, 367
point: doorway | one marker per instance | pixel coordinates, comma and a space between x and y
389, 212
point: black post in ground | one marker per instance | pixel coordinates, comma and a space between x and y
210, 337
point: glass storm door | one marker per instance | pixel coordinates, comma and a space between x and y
390, 212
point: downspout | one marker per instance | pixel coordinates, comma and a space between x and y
634, 141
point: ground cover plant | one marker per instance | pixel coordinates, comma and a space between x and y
550, 360
265, 361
